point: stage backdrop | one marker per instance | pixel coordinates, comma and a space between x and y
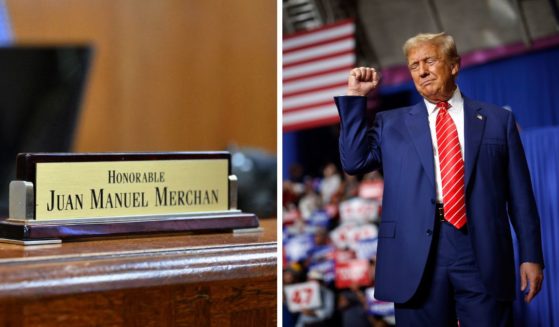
542, 151
528, 85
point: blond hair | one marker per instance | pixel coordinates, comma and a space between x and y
442, 40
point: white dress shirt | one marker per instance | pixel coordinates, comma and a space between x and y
456, 112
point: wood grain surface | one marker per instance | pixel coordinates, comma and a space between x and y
226, 279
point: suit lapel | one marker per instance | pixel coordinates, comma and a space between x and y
418, 127
474, 124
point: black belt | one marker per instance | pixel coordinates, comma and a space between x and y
439, 215
439, 212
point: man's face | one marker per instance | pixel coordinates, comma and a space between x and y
433, 74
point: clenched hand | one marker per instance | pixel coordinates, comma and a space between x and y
362, 80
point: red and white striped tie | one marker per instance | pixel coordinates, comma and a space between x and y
452, 168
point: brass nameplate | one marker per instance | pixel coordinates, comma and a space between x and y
67, 196
85, 186
111, 189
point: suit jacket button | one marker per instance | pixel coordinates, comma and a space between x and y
429, 232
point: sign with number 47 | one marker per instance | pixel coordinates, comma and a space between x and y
303, 296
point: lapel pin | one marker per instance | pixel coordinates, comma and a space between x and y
480, 117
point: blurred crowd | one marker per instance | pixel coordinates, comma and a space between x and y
330, 229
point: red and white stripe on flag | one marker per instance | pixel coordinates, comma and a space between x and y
316, 64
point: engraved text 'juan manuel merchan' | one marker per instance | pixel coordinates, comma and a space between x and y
103, 198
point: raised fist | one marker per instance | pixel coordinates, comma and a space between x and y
362, 80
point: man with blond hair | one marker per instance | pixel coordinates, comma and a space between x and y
455, 176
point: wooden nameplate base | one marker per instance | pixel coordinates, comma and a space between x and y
61, 196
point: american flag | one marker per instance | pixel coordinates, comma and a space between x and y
315, 68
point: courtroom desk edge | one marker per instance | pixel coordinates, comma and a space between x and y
63, 271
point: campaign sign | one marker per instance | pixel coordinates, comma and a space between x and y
321, 253
339, 236
358, 210
371, 190
376, 307
344, 256
354, 272
303, 296
366, 248
320, 218
297, 248
290, 216
326, 268
348, 235
322, 260
362, 232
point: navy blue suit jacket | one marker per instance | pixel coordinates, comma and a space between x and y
498, 188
